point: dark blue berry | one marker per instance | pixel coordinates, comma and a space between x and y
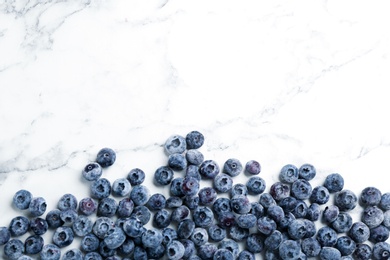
379, 234
189, 248
280, 191
92, 171
151, 238
63, 236
87, 206
209, 169
103, 226
18, 226
38, 226
342, 223
121, 187
240, 204
266, 225
320, 195
142, 213
192, 202
329, 253
173, 202
5, 235
193, 171
288, 173
330, 213
89, 243
177, 161
68, 216
14, 249
53, 218
133, 227
239, 189
185, 228
125, 208
100, 188
37, 206
221, 205
223, 254
273, 241
82, 226
297, 229
232, 167
175, 250
313, 212
155, 252
326, 236
163, 175
175, 144
107, 207
289, 249
301, 189
22, 199
238, 233
362, 252
346, 200
50, 252
106, 157
307, 172
266, 200
223, 183
67, 201
384, 204
300, 210
199, 236
33, 244
345, 245
256, 209
216, 233
381, 250
139, 195
252, 167
162, 218
156, 202
93, 256
372, 216
359, 232
127, 247
181, 213
246, 220
226, 219
230, 245
207, 196
136, 176
176, 188
140, 253
255, 185
334, 182
203, 216
194, 157
246, 255
276, 213
311, 247
194, 140
168, 234
207, 251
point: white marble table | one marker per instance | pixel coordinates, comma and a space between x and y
282, 82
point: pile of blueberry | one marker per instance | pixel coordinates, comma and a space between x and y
218, 222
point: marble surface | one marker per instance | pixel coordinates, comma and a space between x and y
279, 82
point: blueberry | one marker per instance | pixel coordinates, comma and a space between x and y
289, 249
362, 252
270, 255
326, 236
177, 161
319, 195
127, 247
300, 210
208, 169
238, 233
266, 200
246, 220
53, 218
87, 206
38, 226
175, 250
189, 248
232, 167
330, 213
22, 199
73, 254
185, 228
345, 245
50, 252
246, 255
313, 212
223, 183
273, 241
67, 201
168, 235
346, 200
384, 203
288, 173
100, 188
121, 187
140, 253
162, 218
255, 185
223, 254
372, 216
142, 213
139, 195
359, 232
216, 233
207, 251
192, 202
203, 216
381, 250
107, 207
155, 252
230, 245
379, 234
37, 206
18, 226
221, 205
239, 189
386, 219
240, 204
163, 175
115, 238
285, 222
307, 172
5, 235
342, 223
175, 144
334, 182
176, 188
199, 236
266, 225
276, 213
252, 167
311, 247
103, 226
156, 202
207, 196
181, 213
173, 202
226, 219
193, 171
288, 204
136, 176
256, 209
133, 227
33, 244
301, 189
106, 157
63, 236
297, 229
93, 256
14, 249
68, 216
82, 226
194, 157
280, 191
89, 243
329, 253
92, 171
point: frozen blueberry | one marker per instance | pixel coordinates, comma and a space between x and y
300, 210
311, 247
238, 233
22, 199
192, 202
254, 243
175, 250
168, 234
127, 247
33, 244
370, 196
140, 253
207, 251
14, 249
246, 220
301, 189
246, 255
330, 213
53, 218
329, 253
18, 226
326, 236
82, 226
203, 216
194, 140
226, 219
207, 196
313, 212
342, 223
266, 200
155, 252
334, 182
139, 195
37, 206
372, 216
285, 222
162, 218
185, 228
288, 204
68, 216
194, 157
384, 204
230, 245
173, 202
381, 250
276, 213
106, 157
89, 243
142, 213
93, 256
67, 201
289, 249
280, 191
92, 171
177, 161
5, 235
273, 241
175, 144
297, 229
38, 226
362, 252
63, 236
257, 209
163, 175
189, 248
50, 252
121, 187
255, 185
232, 167
87, 206
223, 183
136, 176
115, 238
223, 254
386, 219
100, 188
73, 254
239, 189
221, 205
252, 167
199, 236
240, 204
193, 171
345, 245
359, 232
156, 202
133, 227
379, 234
216, 233
307, 172
270, 254
176, 188
346, 200
319, 195
209, 169
181, 213
288, 173
103, 226
266, 225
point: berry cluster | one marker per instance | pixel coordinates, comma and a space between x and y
196, 222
